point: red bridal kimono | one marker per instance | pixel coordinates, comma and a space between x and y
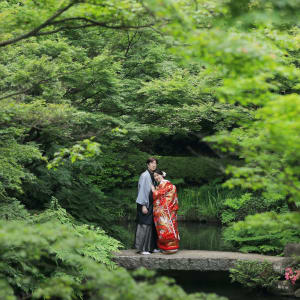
165, 206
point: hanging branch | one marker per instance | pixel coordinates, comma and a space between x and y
94, 24
37, 29
50, 22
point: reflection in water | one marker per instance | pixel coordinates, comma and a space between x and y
217, 283
196, 236
193, 236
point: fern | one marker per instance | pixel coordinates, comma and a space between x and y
102, 247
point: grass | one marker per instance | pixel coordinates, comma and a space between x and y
195, 203
205, 201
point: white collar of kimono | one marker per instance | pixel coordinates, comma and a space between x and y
164, 180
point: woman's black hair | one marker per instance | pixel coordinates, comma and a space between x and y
157, 171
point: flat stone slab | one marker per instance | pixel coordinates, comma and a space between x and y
199, 260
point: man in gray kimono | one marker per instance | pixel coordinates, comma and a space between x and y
146, 236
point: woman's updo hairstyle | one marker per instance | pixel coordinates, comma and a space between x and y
162, 173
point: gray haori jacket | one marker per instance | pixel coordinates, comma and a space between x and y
144, 188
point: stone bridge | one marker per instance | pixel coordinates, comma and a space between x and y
192, 260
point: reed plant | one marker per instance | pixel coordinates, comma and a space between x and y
195, 203
205, 201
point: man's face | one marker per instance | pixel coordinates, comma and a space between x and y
152, 166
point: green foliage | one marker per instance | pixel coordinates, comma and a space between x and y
264, 233
13, 157
59, 92
51, 16
77, 78
254, 274
12, 209
211, 202
193, 170
116, 172
122, 88
258, 58
84, 149
124, 203
236, 209
104, 76
204, 203
44, 260
187, 103
102, 247
270, 149
49, 251
30, 260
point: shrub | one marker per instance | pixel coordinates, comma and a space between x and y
292, 275
194, 170
264, 233
254, 274
12, 209
237, 208
113, 171
44, 261
34, 257
292, 271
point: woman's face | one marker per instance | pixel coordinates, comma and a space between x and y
158, 178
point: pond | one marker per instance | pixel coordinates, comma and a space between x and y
197, 236
218, 283
193, 236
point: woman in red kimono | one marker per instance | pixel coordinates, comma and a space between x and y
165, 206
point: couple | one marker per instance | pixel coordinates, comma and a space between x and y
157, 206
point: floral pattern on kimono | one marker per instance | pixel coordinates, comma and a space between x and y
165, 206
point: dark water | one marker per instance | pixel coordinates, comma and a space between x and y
217, 283
196, 236
193, 236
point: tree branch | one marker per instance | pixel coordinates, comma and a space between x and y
130, 42
23, 91
87, 20
37, 29
90, 23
